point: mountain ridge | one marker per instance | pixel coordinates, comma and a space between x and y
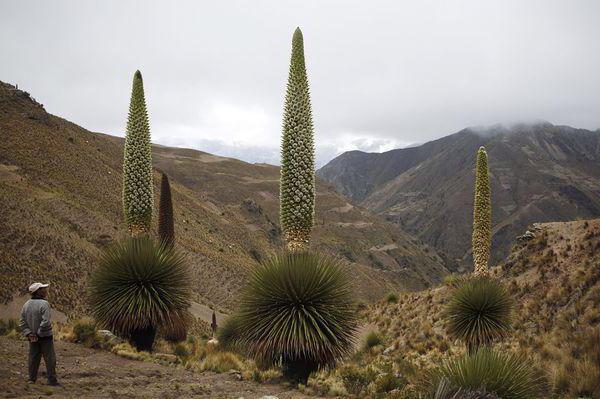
540, 173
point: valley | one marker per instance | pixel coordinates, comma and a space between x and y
60, 186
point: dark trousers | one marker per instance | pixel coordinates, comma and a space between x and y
43, 347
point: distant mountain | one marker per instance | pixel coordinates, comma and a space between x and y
539, 172
60, 190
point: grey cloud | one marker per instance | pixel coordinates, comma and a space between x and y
382, 73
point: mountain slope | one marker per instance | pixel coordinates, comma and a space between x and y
539, 173
553, 274
60, 187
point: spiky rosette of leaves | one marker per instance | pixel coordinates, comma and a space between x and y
228, 334
298, 308
138, 184
505, 375
175, 330
140, 285
482, 214
297, 186
479, 312
445, 390
166, 224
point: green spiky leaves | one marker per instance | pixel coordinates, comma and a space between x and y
140, 284
507, 375
138, 185
166, 224
229, 333
297, 187
479, 312
482, 214
298, 307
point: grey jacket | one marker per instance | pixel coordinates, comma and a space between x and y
35, 318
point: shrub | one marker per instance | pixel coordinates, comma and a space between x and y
585, 380
85, 332
388, 382
356, 379
372, 339
138, 287
221, 362
506, 375
454, 280
9, 325
298, 308
392, 297
580, 376
181, 350
479, 312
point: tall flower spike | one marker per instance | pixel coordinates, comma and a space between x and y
297, 186
138, 185
482, 215
166, 224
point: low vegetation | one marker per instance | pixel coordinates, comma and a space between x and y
509, 376
555, 323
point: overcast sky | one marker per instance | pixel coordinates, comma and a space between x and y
383, 74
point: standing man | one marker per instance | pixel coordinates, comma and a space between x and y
37, 327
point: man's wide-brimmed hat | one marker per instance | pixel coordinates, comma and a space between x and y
36, 286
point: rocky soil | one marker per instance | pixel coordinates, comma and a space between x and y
88, 373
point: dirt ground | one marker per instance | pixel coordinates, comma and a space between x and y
88, 373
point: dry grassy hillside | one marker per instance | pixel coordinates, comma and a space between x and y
554, 276
60, 189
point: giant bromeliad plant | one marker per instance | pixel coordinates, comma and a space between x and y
138, 183
479, 312
139, 287
297, 310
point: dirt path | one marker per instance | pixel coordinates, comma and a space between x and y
86, 373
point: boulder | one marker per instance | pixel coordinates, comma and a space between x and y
528, 236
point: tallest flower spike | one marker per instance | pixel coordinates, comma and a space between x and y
138, 185
297, 186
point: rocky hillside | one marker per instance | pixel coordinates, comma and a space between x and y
553, 273
539, 173
60, 189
